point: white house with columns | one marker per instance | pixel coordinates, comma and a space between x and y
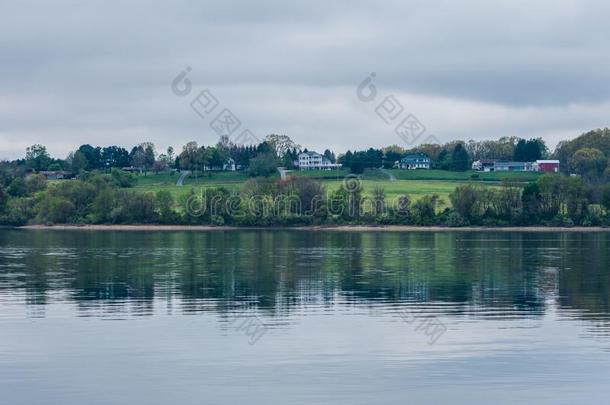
314, 161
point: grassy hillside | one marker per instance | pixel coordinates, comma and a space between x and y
414, 183
415, 189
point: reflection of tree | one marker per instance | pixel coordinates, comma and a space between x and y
278, 271
584, 282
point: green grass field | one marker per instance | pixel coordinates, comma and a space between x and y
167, 181
414, 183
469, 175
415, 189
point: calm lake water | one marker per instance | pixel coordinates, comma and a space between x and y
298, 317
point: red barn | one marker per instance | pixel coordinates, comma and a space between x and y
549, 166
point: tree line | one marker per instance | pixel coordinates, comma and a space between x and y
452, 156
106, 198
586, 155
102, 192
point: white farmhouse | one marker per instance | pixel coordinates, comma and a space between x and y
314, 161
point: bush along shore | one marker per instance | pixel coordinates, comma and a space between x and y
106, 198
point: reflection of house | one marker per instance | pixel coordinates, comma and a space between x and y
550, 166
415, 161
314, 161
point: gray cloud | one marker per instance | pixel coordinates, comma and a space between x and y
75, 72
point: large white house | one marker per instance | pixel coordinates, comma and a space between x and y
314, 161
414, 161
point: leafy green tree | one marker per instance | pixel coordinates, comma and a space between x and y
281, 144
310, 193
531, 200
18, 187
563, 196
78, 192
139, 207
502, 149
104, 204
92, 156
460, 161
3, 199
505, 203
37, 158
390, 157
360, 160
76, 162
443, 161
188, 157
589, 163
264, 164
149, 155
114, 156
329, 155
35, 183
576, 199
165, 207
138, 159
529, 151
289, 158
466, 201
217, 157
122, 179
346, 159
55, 166
424, 209
598, 139
606, 198
265, 147
520, 151
19, 211
171, 158
346, 203
56, 210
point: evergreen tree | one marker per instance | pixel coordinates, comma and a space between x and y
460, 161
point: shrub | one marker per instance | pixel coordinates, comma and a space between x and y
18, 187
454, 219
57, 210
424, 210
165, 207
103, 205
466, 200
18, 211
264, 164
122, 179
35, 183
3, 199
606, 197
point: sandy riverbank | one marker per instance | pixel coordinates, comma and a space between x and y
342, 228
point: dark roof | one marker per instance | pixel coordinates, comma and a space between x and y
54, 172
415, 157
513, 163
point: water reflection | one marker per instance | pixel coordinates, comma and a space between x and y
484, 275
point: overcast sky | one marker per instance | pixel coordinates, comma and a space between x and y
100, 72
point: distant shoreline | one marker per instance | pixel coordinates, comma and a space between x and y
334, 228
